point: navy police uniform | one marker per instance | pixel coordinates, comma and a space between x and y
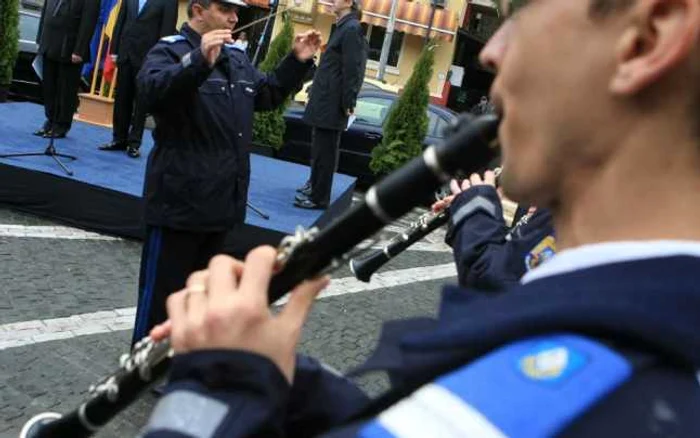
198, 172
490, 256
569, 354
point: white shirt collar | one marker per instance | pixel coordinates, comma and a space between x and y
588, 256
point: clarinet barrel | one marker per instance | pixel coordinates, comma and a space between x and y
365, 266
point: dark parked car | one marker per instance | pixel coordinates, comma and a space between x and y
363, 135
25, 82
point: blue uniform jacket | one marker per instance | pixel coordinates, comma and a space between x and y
571, 355
489, 255
198, 173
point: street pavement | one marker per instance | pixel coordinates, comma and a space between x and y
67, 302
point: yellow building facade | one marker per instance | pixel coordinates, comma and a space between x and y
411, 26
413, 18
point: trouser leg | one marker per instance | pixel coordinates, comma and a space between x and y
168, 258
123, 103
325, 144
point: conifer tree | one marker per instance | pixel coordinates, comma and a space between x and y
269, 126
9, 37
407, 123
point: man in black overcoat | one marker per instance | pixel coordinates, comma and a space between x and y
65, 31
141, 23
332, 100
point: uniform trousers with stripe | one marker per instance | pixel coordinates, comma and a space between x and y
169, 256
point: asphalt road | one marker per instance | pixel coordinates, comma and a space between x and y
66, 312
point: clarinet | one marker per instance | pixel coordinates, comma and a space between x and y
363, 267
304, 255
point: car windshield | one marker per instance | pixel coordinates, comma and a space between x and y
28, 27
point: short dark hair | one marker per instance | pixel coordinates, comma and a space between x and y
205, 4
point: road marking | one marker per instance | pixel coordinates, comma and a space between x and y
61, 232
50, 232
418, 246
35, 331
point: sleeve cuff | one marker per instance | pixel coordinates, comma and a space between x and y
478, 199
195, 59
228, 369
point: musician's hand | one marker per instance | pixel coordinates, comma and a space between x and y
306, 44
226, 307
476, 180
212, 42
76, 59
456, 188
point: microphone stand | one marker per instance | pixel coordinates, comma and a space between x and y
258, 211
50, 150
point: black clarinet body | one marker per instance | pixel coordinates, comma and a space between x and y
301, 256
365, 266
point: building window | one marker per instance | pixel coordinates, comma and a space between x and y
375, 36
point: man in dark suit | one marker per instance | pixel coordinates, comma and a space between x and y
141, 23
64, 43
331, 100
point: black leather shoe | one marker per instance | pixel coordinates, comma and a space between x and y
309, 205
40, 133
300, 197
133, 152
113, 146
55, 134
305, 188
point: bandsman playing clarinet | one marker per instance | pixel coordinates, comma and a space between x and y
600, 103
490, 256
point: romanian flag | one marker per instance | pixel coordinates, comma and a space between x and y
109, 10
109, 67
112, 18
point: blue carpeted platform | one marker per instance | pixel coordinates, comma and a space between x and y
272, 186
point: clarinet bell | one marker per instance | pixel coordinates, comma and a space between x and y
35, 425
363, 267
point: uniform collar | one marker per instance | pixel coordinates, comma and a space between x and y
599, 254
192, 36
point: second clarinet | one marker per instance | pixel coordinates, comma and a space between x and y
363, 267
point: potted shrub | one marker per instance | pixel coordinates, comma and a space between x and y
406, 125
9, 35
269, 126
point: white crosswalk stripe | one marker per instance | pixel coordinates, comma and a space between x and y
36, 331
50, 232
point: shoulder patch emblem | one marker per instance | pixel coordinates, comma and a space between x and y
551, 363
173, 38
542, 252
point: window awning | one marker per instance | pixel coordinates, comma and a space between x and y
265, 4
411, 17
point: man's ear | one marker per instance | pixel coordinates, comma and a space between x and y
660, 36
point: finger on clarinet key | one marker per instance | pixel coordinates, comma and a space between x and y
161, 331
